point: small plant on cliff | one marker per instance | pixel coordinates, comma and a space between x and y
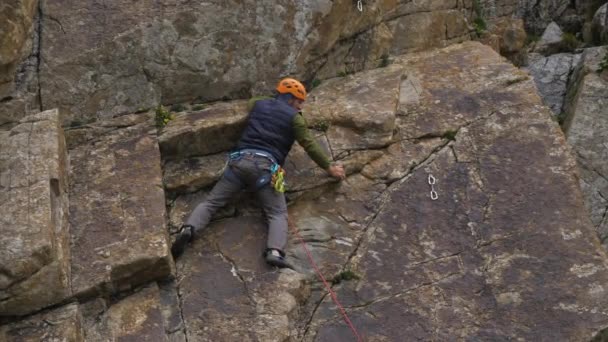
569, 42
450, 135
322, 126
315, 83
198, 107
345, 275
178, 107
532, 38
479, 24
604, 63
162, 117
384, 61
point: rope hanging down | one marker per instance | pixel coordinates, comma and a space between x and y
333, 295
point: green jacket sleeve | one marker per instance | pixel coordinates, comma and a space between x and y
308, 142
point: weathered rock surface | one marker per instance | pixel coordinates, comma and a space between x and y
117, 212
511, 39
153, 52
16, 17
192, 174
227, 292
454, 268
138, 317
507, 251
498, 245
63, 324
499, 8
149, 314
552, 75
587, 129
359, 113
34, 244
440, 27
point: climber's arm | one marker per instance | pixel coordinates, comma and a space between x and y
313, 149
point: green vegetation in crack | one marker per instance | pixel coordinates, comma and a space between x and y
162, 116
141, 110
322, 126
604, 63
345, 72
450, 135
80, 122
516, 80
569, 42
198, 107
479, 23
384, 61
532, 38
602, 336
315, 83
178, 108
345, 275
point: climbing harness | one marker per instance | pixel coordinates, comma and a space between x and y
432, 181
360, 5
333, 295
276, 178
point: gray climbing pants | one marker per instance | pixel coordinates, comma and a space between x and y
242, 174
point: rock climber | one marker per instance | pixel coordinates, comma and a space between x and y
255, 164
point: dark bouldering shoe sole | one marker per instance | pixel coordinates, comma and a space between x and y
182, 240
277, 261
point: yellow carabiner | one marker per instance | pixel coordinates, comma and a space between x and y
279, 183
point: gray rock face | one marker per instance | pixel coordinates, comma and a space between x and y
211, 130
550, 41
507, 251
499, 8
507, 36
599, 25
474, 245
225, 285
34, 244
461, 267
117, 211
538, 14
587, 130
101, 61
552, 75
146, 315
138, 317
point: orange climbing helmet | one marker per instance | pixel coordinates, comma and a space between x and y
293, 87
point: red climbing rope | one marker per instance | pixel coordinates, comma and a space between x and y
331, 292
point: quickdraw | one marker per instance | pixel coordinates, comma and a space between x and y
360, 5
432, 181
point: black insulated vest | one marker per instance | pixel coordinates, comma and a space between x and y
270, 128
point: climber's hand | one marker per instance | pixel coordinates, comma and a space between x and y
336, 171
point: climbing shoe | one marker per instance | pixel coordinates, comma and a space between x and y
184, 236
275, 258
